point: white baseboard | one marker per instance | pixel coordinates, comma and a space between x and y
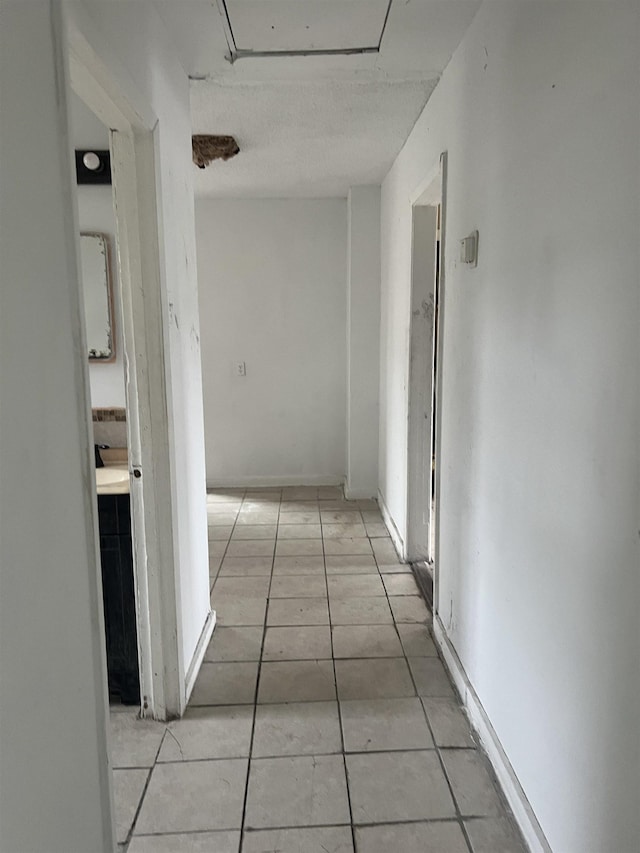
198, 655
396, 538
281, 480
513, 791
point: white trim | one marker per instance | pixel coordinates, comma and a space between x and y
283, 480
396, 538
198, 655
511, 787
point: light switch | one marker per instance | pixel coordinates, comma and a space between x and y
469, 250
241, 368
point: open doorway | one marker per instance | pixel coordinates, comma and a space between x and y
422, 455
138, 310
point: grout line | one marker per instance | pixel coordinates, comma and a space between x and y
255, 703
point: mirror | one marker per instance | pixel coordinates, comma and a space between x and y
98, 299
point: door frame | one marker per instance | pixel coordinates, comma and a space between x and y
133, 158
431, 191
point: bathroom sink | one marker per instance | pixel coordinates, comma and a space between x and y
112, 480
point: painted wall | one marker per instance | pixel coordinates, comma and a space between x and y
539, 548
95, 213
273, 295
363, 341
54, 768
131, 43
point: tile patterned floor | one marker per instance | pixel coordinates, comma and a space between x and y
322, 720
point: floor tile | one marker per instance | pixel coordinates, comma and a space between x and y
366, 641
384, 724
128, 786
416, 640
251, 548
301, 517
372, 516
238, 610
288, 506
396, 786
368, 505
346, 586
217, 547
384, 550
430, 677
251, 587
302, 565
234, 644
322, 839
330, 493
339, 516
257, 516
471, 783
380, 678
296, 681
394, 568
375, 530
221, 518
254, 531
134, 742
220, 532
448, 723
298, 547
355, 564
220, 732
403, 584
301, 791
298, 611
301, 642
433, 837
307, 728
225, 684
211, 796
246, 566
360, 611
298, 531
338, 505
299, 493
339, 547
298, 586
352, 530
192, 842
409, 608
494, 835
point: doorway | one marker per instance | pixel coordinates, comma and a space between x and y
424, 348
137, 257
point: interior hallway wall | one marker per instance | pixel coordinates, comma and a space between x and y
539, 547
54, 761
273, 295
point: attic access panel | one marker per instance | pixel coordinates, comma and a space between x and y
299, 26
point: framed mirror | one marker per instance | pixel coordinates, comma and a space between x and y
98, 296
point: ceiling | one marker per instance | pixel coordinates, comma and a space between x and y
320, 94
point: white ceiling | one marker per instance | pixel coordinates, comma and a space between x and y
310, 126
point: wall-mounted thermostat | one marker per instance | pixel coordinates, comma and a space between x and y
469, 250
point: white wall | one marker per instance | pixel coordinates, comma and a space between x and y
129, 41
95, 213
54, 766
363, 341
539, 548
273, 294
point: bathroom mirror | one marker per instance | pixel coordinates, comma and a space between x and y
98, 298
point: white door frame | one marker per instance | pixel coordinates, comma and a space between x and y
132, 143
430, 192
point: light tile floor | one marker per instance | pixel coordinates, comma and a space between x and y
322, 720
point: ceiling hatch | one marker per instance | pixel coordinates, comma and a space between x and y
286, 27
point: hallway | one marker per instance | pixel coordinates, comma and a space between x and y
322, 681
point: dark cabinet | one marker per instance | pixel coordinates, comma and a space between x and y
119, 599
